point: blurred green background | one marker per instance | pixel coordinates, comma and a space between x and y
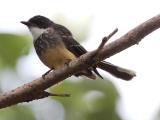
90, 99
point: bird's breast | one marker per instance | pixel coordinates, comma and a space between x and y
56, 57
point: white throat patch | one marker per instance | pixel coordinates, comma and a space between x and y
36, 32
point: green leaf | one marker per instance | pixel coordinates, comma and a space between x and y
80, 29
12, 47
16, 113
157, 117
90, 100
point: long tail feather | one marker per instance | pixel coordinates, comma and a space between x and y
117, 71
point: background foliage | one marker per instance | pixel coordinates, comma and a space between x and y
12, 47
90, 100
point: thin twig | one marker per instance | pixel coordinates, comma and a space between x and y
102, 44
60, 94
105, 39
45, 94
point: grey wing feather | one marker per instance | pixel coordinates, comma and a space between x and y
69, 41
72, 45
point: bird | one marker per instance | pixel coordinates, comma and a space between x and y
56, 47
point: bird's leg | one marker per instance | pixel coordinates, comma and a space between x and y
67, 61
43, 76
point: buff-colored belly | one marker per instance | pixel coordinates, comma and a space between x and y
56, 57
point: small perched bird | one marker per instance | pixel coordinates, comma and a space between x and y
55, 46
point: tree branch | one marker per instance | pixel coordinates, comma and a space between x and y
36, 88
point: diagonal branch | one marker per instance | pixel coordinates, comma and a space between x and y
132, 37
35, 89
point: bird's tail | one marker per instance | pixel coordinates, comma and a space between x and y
116, 71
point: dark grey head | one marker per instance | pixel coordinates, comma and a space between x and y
38, 21
37, 25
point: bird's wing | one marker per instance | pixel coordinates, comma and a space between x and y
71, 44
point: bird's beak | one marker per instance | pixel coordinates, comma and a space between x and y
26, 23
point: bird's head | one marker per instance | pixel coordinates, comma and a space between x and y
37, 25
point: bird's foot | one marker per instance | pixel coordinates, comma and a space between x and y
43, 76
67, 61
